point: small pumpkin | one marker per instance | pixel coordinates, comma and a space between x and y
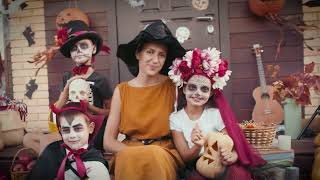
209, 164
71, 14
264, 7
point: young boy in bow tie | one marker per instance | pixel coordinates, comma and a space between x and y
73, 157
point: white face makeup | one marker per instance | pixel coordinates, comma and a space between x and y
76, 134
82, 52
197, 90
151, 58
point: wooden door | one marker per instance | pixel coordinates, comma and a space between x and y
175, 13
102, 20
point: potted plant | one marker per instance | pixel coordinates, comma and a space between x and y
294, 91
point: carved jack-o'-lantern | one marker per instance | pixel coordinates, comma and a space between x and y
71, 14
209, 164
265, 7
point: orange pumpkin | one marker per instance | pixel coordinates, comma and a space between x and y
264, 7
209, 164
70, 14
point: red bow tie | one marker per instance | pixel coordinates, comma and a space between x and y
81, 169
79, 70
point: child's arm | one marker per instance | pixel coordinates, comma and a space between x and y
185, 152
228, 157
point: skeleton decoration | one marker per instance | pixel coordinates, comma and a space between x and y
136, 3
182, 34
31, 87
29, 35
209, 164
200, 4
79, 89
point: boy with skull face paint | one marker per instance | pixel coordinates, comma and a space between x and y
73, 157
81, 45
202, 76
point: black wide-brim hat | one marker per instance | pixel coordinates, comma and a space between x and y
78, 30
157, 32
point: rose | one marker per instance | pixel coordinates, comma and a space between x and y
223, 67
196, 59
186, 72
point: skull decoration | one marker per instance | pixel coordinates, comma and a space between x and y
200, 4
79, 89
209, 164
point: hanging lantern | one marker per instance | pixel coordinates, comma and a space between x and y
265, 7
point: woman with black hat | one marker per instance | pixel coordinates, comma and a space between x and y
79, 43
140, 108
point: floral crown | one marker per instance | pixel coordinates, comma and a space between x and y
206, 62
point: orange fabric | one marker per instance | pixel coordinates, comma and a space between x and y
145, 114
145, 110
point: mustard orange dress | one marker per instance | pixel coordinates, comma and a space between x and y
145, 115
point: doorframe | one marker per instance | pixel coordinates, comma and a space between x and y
225, 40
113, 38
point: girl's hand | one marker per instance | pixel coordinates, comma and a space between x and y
196, 136
228, 157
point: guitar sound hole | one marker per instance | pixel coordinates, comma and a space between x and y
265, 96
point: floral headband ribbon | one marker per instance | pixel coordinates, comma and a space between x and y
206, 62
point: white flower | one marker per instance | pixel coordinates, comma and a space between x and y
176, 78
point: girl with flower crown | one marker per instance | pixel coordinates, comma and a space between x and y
202, 74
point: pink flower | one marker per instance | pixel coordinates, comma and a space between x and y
223, 67
62, 36
196, 59
186, 72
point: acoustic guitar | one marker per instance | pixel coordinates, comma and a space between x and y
266, 110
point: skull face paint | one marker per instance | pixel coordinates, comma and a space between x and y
82, 52
76, 134
79, 89
197, 90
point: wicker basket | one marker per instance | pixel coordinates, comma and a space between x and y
260, 137
20, 175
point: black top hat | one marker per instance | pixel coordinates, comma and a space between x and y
155, 32
78, 30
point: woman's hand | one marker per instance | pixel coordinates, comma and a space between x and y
196, 136
228, 157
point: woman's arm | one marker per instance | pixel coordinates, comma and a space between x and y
105, 111
185, 152
110, 142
